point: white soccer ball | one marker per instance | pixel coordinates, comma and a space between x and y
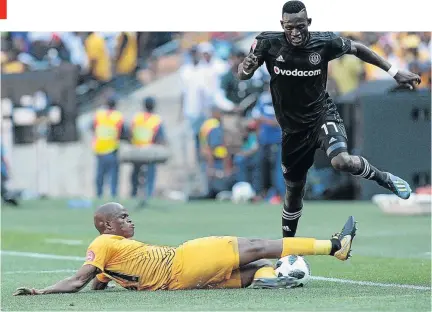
242, 192
294, 266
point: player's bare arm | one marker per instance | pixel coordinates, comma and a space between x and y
248, 67
367, 55
69, 285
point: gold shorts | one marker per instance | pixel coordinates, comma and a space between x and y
206, 263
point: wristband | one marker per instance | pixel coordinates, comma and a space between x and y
392, 71
245, 72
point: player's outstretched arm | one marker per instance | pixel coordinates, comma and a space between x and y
367, 55
69, 285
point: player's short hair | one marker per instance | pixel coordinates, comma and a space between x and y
293, 6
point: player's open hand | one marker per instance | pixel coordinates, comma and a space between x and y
407, 78
23, 291
250, 63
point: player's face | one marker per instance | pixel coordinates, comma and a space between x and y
295, 27
122, 224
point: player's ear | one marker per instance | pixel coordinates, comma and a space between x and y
309, 21
281, 22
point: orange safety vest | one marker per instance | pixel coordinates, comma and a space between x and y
108, 125
144, 128
206, 128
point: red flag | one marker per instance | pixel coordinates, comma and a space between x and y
3, 9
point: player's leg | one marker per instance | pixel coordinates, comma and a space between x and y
100, 174
245, 275
298, 152
114, 173
339, 246
333, 140
134, 179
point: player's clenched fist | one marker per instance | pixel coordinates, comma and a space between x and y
250, 63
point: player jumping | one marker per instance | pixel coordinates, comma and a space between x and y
210, 262
297, 61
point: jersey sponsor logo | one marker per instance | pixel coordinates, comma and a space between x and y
296, 72
280, 59
314, 58
90, 256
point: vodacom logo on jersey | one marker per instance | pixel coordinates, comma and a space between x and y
296, 72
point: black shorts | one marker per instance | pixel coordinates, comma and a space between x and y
298, 149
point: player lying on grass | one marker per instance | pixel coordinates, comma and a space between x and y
210, 262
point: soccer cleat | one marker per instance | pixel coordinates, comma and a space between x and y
346, 237
398, 186
281, 282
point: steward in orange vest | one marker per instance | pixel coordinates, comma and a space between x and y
146, 129
108, 128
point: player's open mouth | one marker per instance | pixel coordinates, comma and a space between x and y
296, 40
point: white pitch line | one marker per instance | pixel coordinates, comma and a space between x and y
39, 255
39, 272
319, 278
346, 281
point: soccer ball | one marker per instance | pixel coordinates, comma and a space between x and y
294, 266
242, 192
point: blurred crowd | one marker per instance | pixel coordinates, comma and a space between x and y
406, 50
231, 123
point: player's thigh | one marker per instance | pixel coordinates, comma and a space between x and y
298, 152
332, 137
205, 261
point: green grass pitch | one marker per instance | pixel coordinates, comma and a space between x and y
387, 250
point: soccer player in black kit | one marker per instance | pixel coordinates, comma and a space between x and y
297, 61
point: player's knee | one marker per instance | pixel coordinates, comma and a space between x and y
341, 162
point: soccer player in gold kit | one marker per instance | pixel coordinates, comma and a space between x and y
210, 262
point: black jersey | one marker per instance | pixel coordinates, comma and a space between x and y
299, 76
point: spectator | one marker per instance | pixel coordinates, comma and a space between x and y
146, 129
269, 138
11, 63
126, 57
193, 108
108, 128
233, 87
347, 72
247, 160
74, 44
97, 52
215, 153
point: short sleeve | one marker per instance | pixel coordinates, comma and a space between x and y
103, 278
337, 46
259, 49
98, 253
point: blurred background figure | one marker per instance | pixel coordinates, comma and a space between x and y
99, 58
193, 108
126, 58
146, 129
6, 196
247, 162
218, 165
270, 138
108, 127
